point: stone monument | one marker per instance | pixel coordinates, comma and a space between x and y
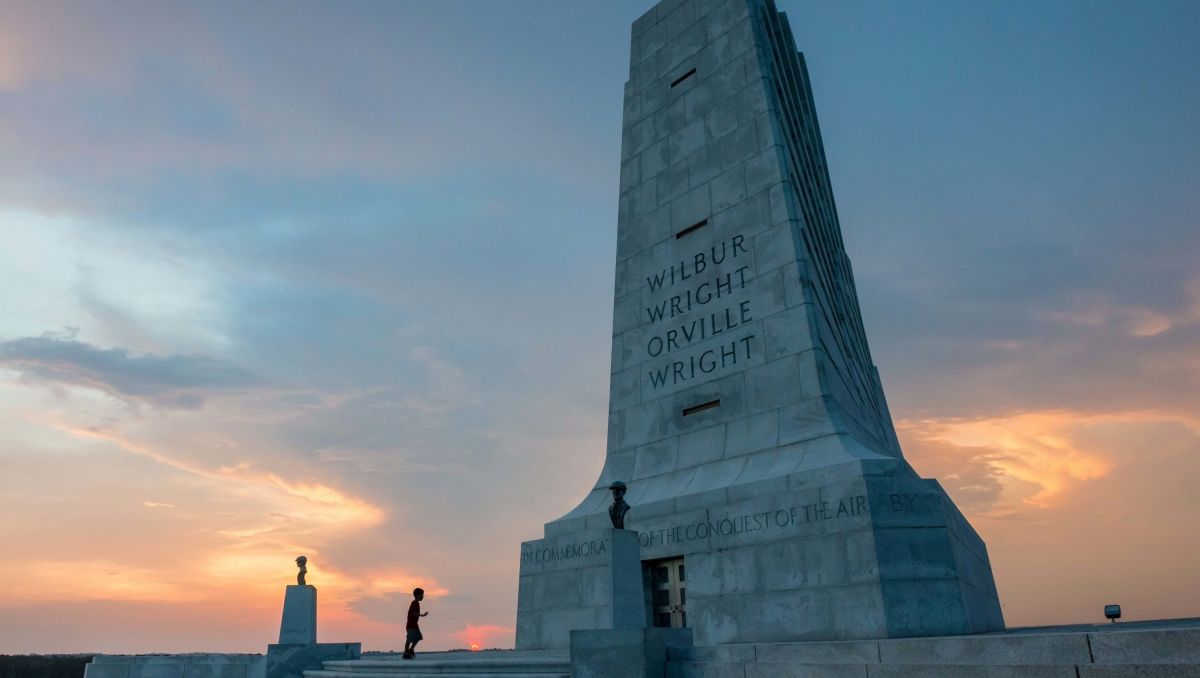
298, 649
299, 625
745, 414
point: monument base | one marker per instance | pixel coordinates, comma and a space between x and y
299, 626
830, 548
291, 661
629, 653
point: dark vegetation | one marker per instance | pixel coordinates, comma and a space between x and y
43, 665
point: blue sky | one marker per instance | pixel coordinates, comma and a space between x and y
336, 279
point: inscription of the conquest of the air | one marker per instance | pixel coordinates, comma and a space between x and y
723, 305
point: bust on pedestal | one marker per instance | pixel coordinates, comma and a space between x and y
298, 649
627, 648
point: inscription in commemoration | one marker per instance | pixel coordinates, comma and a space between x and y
754, 522
543, 554
729, 310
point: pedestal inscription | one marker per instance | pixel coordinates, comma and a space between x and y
299, 626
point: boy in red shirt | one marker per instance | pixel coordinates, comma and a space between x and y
414, 630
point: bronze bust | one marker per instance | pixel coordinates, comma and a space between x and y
302, 563
616, 512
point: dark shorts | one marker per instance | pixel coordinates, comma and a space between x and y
414, 635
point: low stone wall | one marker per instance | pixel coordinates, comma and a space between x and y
196, 665
281, 661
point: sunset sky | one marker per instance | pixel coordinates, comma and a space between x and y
335, 279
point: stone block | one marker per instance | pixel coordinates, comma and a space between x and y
767, 468
655, 458
785, 333
698, 101
802, 563
739, 145
753, 483
722, 119
669, 120
299, 625
816, 652
624, 582
216, 669
724, 16
1159, 646
648, 43
763, 170
1139, 671
667, 487
804, 420
924, 607
1049, 648
680, 19
775, 246
645, 22
291, 661
728, 188
697, 670
686, 140
970, 671
624, 653
701, 446
773, 385
685, 45
691, 208
725, 572
920, 553
703, 165
652, 161
625, 389
673, 183
761, 670
743, 653
752, 433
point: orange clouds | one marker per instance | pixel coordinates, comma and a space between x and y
1035, 448
1073, 504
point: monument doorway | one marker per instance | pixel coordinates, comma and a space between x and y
668, 590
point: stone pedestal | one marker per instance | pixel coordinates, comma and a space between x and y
629, 653
587, 580
625, 577
299, 626
291, 661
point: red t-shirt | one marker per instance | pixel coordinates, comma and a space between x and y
414, 615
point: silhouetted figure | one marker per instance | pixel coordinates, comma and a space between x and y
412, 625
616, 512
302, 563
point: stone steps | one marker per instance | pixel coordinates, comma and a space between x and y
1102, 651
438, 672
768, 670
452, 665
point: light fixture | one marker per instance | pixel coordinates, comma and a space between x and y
1112, 612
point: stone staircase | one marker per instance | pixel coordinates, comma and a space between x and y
510, 664
1153, 650
1163, 649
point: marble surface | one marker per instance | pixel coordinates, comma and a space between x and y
299, 624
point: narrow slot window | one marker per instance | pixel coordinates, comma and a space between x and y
689, 229
683, 77
689, 411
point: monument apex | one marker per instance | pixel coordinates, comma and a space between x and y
746, 417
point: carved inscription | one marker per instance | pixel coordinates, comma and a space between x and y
544, 554
715, 304
754, 522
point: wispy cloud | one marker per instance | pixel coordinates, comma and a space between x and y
173, 381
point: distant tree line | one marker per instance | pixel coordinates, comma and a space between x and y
43, 665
